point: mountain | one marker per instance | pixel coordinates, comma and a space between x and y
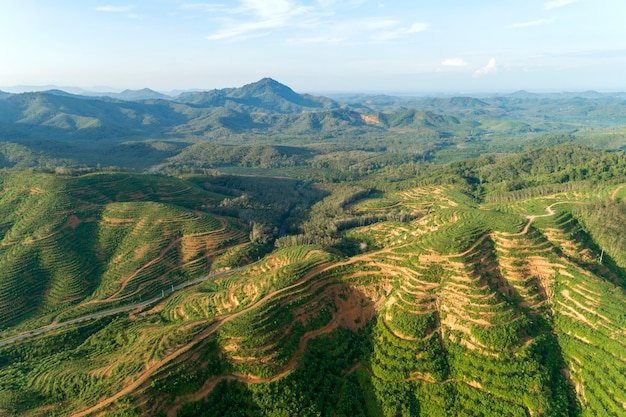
408, 118
61, 93
590, 94
4, 95
143, 94
60, 115
55, 127
122, 116
455, 103
59, 126
39, 88
524, 94
264, 95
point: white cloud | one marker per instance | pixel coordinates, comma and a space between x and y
272, 9
558, 3
318, 40
454, 62
376, 23
258, 16
352, 32
533, 23
491, 67
114, 9
204, 7
326, 3
400, 32
255, 18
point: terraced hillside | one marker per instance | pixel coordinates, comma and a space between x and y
464, 309
71, 246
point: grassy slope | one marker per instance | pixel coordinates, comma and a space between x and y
76, 245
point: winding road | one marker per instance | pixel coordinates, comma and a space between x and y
117, 310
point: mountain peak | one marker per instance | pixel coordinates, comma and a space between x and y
142, 94
268, 81
265, 86
264, 95
58, 92
142, 90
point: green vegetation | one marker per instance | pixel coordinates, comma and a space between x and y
606, 223
364, 264
72, 246
266, 125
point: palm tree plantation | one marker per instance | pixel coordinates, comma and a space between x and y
258, 252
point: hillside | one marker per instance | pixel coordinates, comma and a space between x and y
456, 291
70, 246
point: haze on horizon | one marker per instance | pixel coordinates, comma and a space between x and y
316, 46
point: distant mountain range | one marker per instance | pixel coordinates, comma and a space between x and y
376, 99
264, 106
263, 90
142, 94
60, 124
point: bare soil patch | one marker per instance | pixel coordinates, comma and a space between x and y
72, 221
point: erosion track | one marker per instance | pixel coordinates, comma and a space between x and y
248, 379
164, 293
614, 193
148, 372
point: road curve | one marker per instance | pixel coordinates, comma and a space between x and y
105, 313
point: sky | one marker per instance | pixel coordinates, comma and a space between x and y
316, 46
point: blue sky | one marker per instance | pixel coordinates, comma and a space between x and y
316, 45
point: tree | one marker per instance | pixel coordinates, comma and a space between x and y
260, 233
